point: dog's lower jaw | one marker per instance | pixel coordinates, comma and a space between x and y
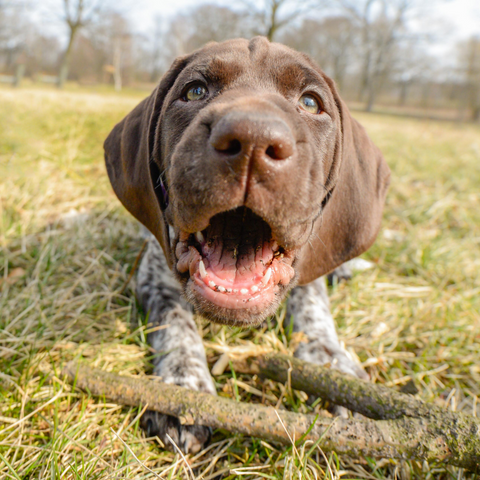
249, 316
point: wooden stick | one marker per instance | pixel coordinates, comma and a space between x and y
372, 400
402, 438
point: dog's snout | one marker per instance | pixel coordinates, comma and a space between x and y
243, 135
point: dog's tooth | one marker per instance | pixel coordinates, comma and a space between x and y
201, 268
274, 246
254, 289
199, 236
235, 290
221, 289
229, 290
267, 276
243, 291
211, 284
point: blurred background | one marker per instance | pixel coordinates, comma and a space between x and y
413, 57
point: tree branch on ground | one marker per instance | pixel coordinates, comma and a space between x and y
417, 431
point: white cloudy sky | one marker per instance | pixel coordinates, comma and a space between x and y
451, 20
461, 18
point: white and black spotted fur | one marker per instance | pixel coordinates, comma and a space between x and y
179, 354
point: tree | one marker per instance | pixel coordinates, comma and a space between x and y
103, 48
157, 39
76, 15
273, 15
381, 25
206, 23
41, 52
330, 41
469, 65
412, 66
12, 28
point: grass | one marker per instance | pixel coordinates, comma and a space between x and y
67, 247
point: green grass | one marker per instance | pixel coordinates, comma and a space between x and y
67, 246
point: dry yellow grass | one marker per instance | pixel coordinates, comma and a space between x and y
67, 247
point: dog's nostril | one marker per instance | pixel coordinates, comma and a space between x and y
271, 153
234, 147
279, 152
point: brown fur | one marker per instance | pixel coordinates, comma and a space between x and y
324, 200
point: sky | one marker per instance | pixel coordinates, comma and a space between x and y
460, 18
451, 20
464, 15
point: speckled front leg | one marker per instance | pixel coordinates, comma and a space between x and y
310, 309
180, 356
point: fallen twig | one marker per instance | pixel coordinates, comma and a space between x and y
372, 400
421, 438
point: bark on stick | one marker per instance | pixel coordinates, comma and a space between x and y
372, 400
410, 438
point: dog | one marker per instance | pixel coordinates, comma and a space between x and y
255, 181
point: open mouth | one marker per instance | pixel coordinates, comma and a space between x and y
235, 263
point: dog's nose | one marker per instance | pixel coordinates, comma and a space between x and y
247, 135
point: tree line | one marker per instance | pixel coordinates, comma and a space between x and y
367, 46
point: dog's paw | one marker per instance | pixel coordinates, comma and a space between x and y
188, 372
188, 438
345, 271
341, 273
334, 355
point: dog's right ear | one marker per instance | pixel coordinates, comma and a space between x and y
135, 178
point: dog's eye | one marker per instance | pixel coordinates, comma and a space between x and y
310, 104
196, 92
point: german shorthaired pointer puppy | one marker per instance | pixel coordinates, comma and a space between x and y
254, 181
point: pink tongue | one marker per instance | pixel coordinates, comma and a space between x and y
238, 249
238, 265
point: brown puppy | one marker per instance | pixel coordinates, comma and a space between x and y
246, 166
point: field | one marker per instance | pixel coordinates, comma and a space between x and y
67, 247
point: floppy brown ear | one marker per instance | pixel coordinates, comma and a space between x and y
128, 157
352, 215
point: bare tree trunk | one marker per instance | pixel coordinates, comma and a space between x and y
274, 21
402, 98
157, 50
476, 113
367, 56
372, 95
19, 72
425, 94
365, 77
117, 64
338, 72
63, 70
275, 4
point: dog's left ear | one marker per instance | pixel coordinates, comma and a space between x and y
135, 178
352, 212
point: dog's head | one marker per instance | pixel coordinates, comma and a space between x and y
249, 170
